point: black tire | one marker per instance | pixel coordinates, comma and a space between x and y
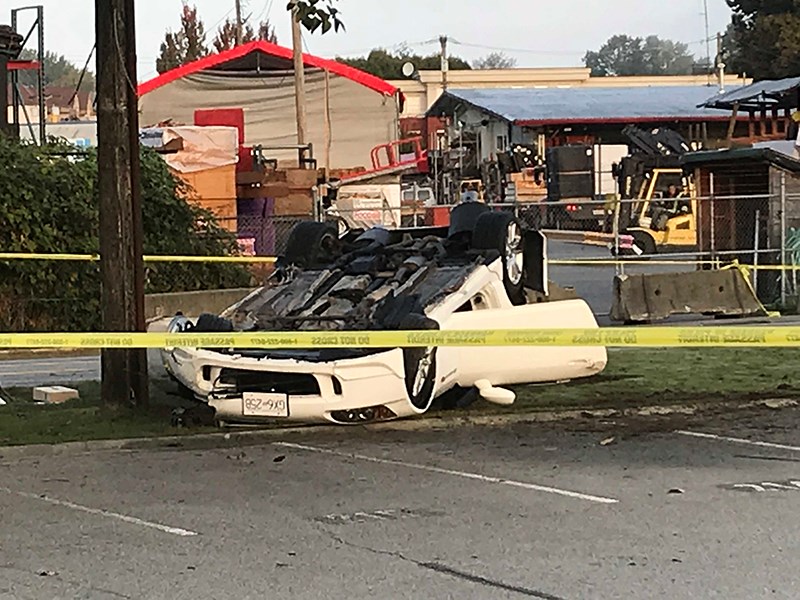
492, 233
646, 244
415, 360
463, 218
311, 243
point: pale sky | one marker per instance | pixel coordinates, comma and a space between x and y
538, 33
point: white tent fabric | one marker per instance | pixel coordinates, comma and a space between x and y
360, 118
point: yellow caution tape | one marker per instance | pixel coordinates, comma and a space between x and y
43, 256
146, 258
744, 270
577, 262
664, 337
157, 258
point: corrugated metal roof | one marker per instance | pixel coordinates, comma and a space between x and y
763, 155
530, 106
767, 92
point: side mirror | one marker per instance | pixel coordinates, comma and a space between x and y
495, 395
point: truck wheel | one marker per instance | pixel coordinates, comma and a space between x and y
311, 242
419, 363
502, 231
464, 216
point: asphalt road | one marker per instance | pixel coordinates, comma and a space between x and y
594, 283
61, 370
49, 371
525, 511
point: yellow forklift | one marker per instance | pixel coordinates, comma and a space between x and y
663, 217
659, 204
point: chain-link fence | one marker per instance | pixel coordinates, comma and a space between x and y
263, 235
752, 218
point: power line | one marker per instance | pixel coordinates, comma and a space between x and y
83, 73
225, 16
518, 50
265, 12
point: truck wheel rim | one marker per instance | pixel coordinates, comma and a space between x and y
514, 256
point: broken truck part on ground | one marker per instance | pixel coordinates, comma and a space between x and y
484, 271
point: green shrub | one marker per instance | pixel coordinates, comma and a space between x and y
49, 204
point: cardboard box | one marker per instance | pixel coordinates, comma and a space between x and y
219, 182
54, 394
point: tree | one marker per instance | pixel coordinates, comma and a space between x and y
266, 32
58, 71
495, 60
315, 14
764, 38
389, 65
50, 202
625, 55
184, 46
226, 35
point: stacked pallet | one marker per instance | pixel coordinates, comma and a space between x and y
291, 189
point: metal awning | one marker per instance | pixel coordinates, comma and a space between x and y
767, 94
737, 155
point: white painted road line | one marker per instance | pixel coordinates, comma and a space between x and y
732, 440
63, 372
103, 513
476, 476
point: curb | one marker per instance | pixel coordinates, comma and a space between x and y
204, 441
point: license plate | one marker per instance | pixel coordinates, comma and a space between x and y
265, 405
598, 212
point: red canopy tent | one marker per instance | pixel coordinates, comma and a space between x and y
349, 112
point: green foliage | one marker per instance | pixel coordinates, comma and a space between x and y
625, 55
495, 60
58, 71
49, 204
389, 65
186, 45
226, 34
764, 38
316, 14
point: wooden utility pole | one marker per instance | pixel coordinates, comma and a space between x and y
239, 22
719, 65
299, 78
124, 371
445, 61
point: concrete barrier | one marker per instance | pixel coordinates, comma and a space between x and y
191, 304
652, 297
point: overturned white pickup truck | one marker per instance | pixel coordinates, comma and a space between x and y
483, 272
